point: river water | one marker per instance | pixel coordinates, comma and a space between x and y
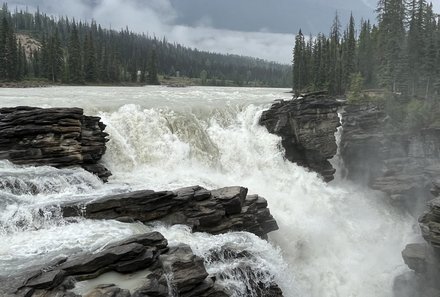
335, 240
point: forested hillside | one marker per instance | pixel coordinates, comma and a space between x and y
37, 46
400, 54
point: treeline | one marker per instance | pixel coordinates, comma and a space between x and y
75, 52
400, 54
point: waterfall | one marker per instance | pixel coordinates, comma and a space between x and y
336, 239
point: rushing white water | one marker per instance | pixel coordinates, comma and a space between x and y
336, 239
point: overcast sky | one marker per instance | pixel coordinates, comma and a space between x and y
259, 28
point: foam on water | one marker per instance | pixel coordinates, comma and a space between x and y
39, 246
339, 239
336, 239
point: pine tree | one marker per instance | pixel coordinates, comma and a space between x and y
4, 29
335, 67
75, 72
90, 60
392, 32
45, 57
56, 58
298, 63
349, 54
153, 78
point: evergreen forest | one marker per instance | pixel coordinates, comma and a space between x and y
398, 54
62, 50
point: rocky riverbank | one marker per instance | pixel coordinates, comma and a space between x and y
307, 129
59, 137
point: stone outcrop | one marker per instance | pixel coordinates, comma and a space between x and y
388, 157
59, 137
170, 268
216, 211
307, 129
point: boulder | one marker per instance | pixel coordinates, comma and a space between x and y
307, 129
60, 137
108, 291
187, 270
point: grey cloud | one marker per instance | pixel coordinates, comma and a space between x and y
158, 17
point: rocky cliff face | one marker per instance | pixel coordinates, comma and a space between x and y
307, 129
424, 258
390, 158
59, 137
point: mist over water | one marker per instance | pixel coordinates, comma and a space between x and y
335, 239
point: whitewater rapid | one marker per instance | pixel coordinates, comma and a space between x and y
335, 239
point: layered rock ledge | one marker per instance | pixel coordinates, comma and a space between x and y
166, 271
59, 137
216, 211
169, 270
307, 129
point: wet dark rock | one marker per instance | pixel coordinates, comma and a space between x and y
415, 256
187, 270
176, 267
60, 137
217, 211
306, 127
133, 254
108, 291
47, 280
153, 286
173, 268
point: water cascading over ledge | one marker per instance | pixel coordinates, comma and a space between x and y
59, 137
307, 129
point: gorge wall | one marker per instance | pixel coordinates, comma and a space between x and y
389, 157
424, 258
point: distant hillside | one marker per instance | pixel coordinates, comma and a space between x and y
64, 50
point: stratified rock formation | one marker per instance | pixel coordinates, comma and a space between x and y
307, 129
389, 157
59, 137
424, 258
217, 211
